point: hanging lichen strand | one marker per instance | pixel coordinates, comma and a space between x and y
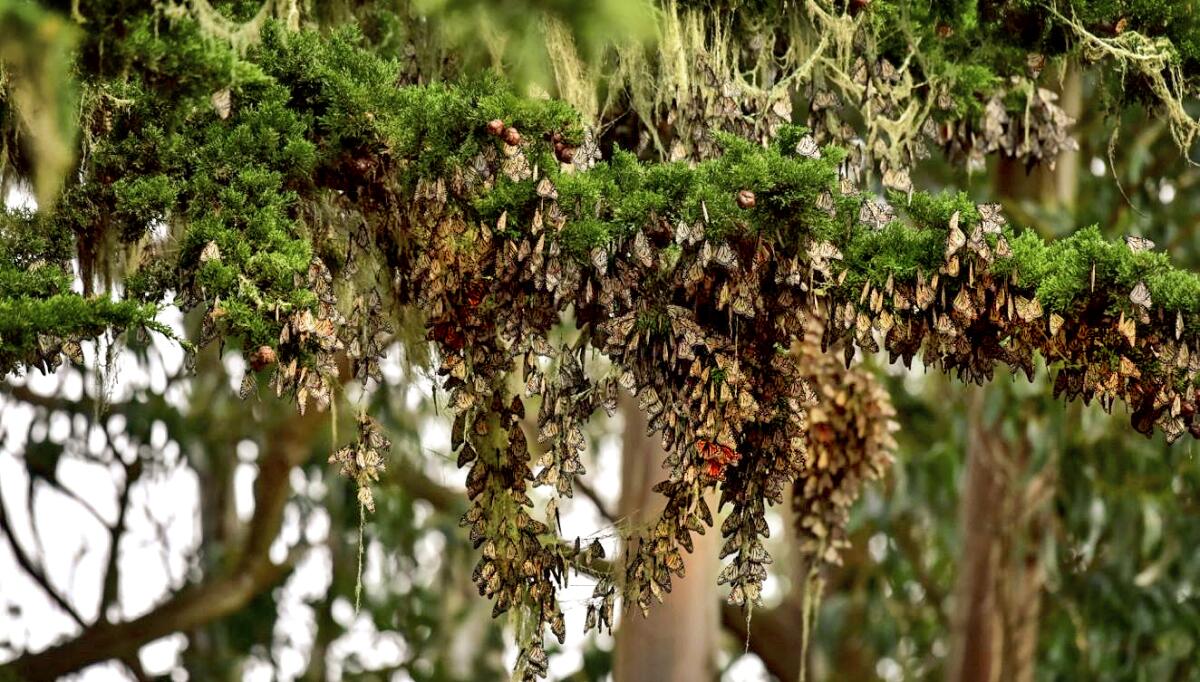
890, 82
312, 202
41, 319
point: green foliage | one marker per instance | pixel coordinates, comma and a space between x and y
311, 113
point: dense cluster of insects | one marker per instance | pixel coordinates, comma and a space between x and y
696, 280
850, 443
700, 330
363, 461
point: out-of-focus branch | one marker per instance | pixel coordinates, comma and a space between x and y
29, 397
216, 597
406, 475
112, 571
32, 569
773, 634
590, 493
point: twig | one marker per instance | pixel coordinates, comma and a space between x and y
590, 493
32, 570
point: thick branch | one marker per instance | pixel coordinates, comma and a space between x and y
774, 634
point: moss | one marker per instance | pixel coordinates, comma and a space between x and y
306, 107
653, 321
897, 251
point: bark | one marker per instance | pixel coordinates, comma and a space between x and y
1005, 511
678, 641
773, 635
976, 652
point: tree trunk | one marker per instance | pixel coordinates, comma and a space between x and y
1004, 506
976, 654
677, 642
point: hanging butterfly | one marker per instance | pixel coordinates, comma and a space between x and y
897, 179
1003, 249
964, 306
955, 239
877, 213
642, 250
824, 99
210, 252
1028, 309
1128, 328
599, 259
808, 147
546, 189
1140, 296
1056, 323
1138, 244
993, 220
688, 234
886, 72
725, 257
821, 253
825, 203
1129, 369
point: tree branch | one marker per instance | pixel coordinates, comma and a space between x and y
590, 493
32, 570
112, 571
212, 599
773, 635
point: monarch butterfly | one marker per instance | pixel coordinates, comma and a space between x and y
1028, 309
1128, 328
1138, 244
991, 219
808, 147
1140, 296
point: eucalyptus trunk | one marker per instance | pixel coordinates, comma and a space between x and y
678, 641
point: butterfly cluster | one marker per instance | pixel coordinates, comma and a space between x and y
694, 283
699, 328
364, 460
850, 443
